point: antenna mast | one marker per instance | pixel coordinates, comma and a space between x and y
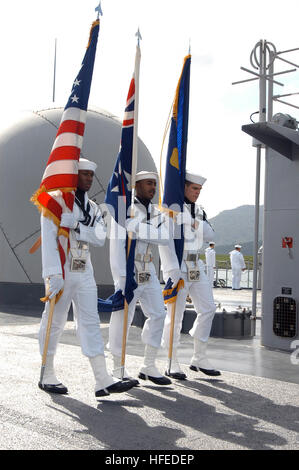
54, 77
262, 60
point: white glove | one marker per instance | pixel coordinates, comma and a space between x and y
133, 222
56, 283
121, 284
183, 218
175, 275
103, 218
68, 220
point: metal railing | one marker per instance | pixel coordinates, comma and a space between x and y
223, 275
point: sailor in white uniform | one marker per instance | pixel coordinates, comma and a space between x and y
210, 255
196, 283
149, 228
79, 287
238, 265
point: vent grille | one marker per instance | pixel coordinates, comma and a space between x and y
285, 317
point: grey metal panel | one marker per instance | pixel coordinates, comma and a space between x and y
279, 138
281, 269
30, 262
26, 297
282, 182
24, 149
281, 219
11, 268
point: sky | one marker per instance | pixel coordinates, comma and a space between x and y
222, 36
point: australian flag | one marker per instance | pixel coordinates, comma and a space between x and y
118, 199
174, 183
118, 195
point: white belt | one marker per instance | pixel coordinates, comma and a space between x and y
142, 267
79, 254
193, 272
143, 258
192, 257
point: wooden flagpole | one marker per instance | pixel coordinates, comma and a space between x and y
46, 344
170, 349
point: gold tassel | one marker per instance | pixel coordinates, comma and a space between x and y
45, 299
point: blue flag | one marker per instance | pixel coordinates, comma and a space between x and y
174, 183
113, 303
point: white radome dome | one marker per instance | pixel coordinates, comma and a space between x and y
25, 147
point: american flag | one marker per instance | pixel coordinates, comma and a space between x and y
56, 193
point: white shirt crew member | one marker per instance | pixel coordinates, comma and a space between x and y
238, 265
79, 288
196, 284
149, 228
210, 255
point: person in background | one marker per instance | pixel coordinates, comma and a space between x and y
210, 255
238, 265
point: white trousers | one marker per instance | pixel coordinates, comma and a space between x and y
201, 294
210, 274
151, 300
236, 278
79, 289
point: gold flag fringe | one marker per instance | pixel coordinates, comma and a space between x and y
171, 214
46, 212
179, 286
176, 99
94, 24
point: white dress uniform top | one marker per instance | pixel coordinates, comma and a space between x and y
149, 293
237, 264
210, 255
200, 291
149, 228
79, 287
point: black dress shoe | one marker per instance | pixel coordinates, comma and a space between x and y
117, 387
156, 380
212, 372
176, 375
134, 381
51, 388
